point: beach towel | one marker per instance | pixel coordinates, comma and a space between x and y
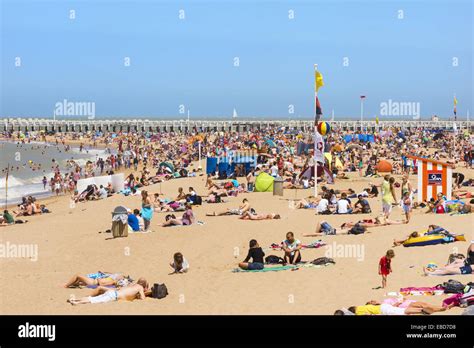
98, 275
314, 245
420, 291
312, 265
96, 286
266, 269
196, 223
147, 213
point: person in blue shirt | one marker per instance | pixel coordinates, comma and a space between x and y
133, 220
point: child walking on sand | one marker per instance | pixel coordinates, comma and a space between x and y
385, 267
406, 204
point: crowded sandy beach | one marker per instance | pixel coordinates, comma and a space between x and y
235, 223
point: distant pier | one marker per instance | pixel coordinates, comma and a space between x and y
183, 126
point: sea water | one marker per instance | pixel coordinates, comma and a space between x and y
32, 161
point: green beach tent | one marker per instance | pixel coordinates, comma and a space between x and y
264, 183
167, 165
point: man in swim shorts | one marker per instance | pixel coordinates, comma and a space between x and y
458, 266
245, 207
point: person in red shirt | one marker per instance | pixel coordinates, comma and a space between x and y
385, 267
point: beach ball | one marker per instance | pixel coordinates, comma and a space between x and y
384, 167
324, 128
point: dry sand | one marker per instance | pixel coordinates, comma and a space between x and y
69, 242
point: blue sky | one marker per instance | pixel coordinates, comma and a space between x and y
190, 62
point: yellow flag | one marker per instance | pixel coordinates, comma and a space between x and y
455, 101
319, 80
376, 119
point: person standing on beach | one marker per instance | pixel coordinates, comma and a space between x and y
250, 180
388, 195
406, 204
147, 210
385, 266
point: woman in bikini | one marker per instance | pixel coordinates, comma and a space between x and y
248, 216
186, 220
98, 279
375, 222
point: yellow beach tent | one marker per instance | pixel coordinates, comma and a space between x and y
264, 183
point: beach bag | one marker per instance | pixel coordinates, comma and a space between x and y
198, 200
159, 291
273, 259
440, 210
453, 287
357, 229
323, 261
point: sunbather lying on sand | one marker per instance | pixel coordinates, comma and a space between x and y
106, 279
186, 219
431, 228
103, 294
458, 266
263, 216
245, 207
323, 228
375, 222
401, 241
376, 308
310, 203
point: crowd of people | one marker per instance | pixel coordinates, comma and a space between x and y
148, 159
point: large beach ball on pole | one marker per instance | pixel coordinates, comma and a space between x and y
324, 128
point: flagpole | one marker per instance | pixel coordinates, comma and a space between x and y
6, 186
188, 121
315, 130
361, 111
455, 107
200, 167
